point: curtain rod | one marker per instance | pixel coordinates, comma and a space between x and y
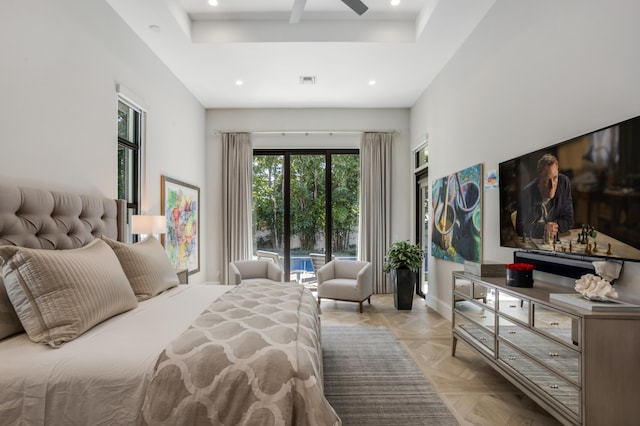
308, 132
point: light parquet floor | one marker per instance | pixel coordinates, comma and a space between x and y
474, 392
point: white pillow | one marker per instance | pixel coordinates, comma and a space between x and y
146, 265
60, 294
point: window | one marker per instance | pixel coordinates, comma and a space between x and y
129, 147
306, 202
421, 157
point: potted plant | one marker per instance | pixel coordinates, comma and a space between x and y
403, 260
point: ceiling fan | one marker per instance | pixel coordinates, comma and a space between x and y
296, 12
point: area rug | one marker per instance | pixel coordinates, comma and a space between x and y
369, 379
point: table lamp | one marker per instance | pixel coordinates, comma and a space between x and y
148, 225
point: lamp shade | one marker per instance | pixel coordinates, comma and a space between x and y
148, 224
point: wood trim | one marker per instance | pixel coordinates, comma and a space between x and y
121, 221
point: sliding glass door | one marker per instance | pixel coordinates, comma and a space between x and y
422, 201
305, 208
421, 170
345, 207
268, 203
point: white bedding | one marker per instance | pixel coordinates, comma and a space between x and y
101, 377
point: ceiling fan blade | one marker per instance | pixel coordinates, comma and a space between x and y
296, 11
356, 5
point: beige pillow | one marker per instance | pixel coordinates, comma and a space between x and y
146, 265
60, 294
9, 321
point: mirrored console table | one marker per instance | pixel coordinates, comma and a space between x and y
581, 366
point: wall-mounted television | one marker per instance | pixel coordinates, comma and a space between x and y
595, 204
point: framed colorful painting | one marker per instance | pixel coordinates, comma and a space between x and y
456, 231
180, 205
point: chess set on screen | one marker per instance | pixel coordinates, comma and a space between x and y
576, 241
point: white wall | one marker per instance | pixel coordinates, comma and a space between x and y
60, 64
532, 74
307, 120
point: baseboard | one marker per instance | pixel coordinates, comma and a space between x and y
439, 306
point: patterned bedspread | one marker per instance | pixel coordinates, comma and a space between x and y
253, 357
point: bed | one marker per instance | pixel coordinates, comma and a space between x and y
95, 331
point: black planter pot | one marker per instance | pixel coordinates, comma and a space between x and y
404, 282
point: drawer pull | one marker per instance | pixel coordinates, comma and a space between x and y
553, 386
512, 332
483, 339
512, 306
554, 323
483, 317
553, 354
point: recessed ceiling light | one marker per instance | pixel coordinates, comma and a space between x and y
213, 2
395, 2
154, 28
239, 82
372, 82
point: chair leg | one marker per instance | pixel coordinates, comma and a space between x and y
360, 303
369, 299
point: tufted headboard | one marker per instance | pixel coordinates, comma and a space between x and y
38, 218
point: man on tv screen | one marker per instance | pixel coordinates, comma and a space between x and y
546, 208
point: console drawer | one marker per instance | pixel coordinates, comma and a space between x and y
564, 361
474, 331
473, 290
475, 312
565, 393
513, 306
558, 324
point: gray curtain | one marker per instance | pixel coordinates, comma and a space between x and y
237, 171
375, 204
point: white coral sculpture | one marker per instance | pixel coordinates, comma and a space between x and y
595, 287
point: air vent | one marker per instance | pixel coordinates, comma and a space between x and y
307, 79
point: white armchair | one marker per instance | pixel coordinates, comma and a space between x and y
254, 270
347, 280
